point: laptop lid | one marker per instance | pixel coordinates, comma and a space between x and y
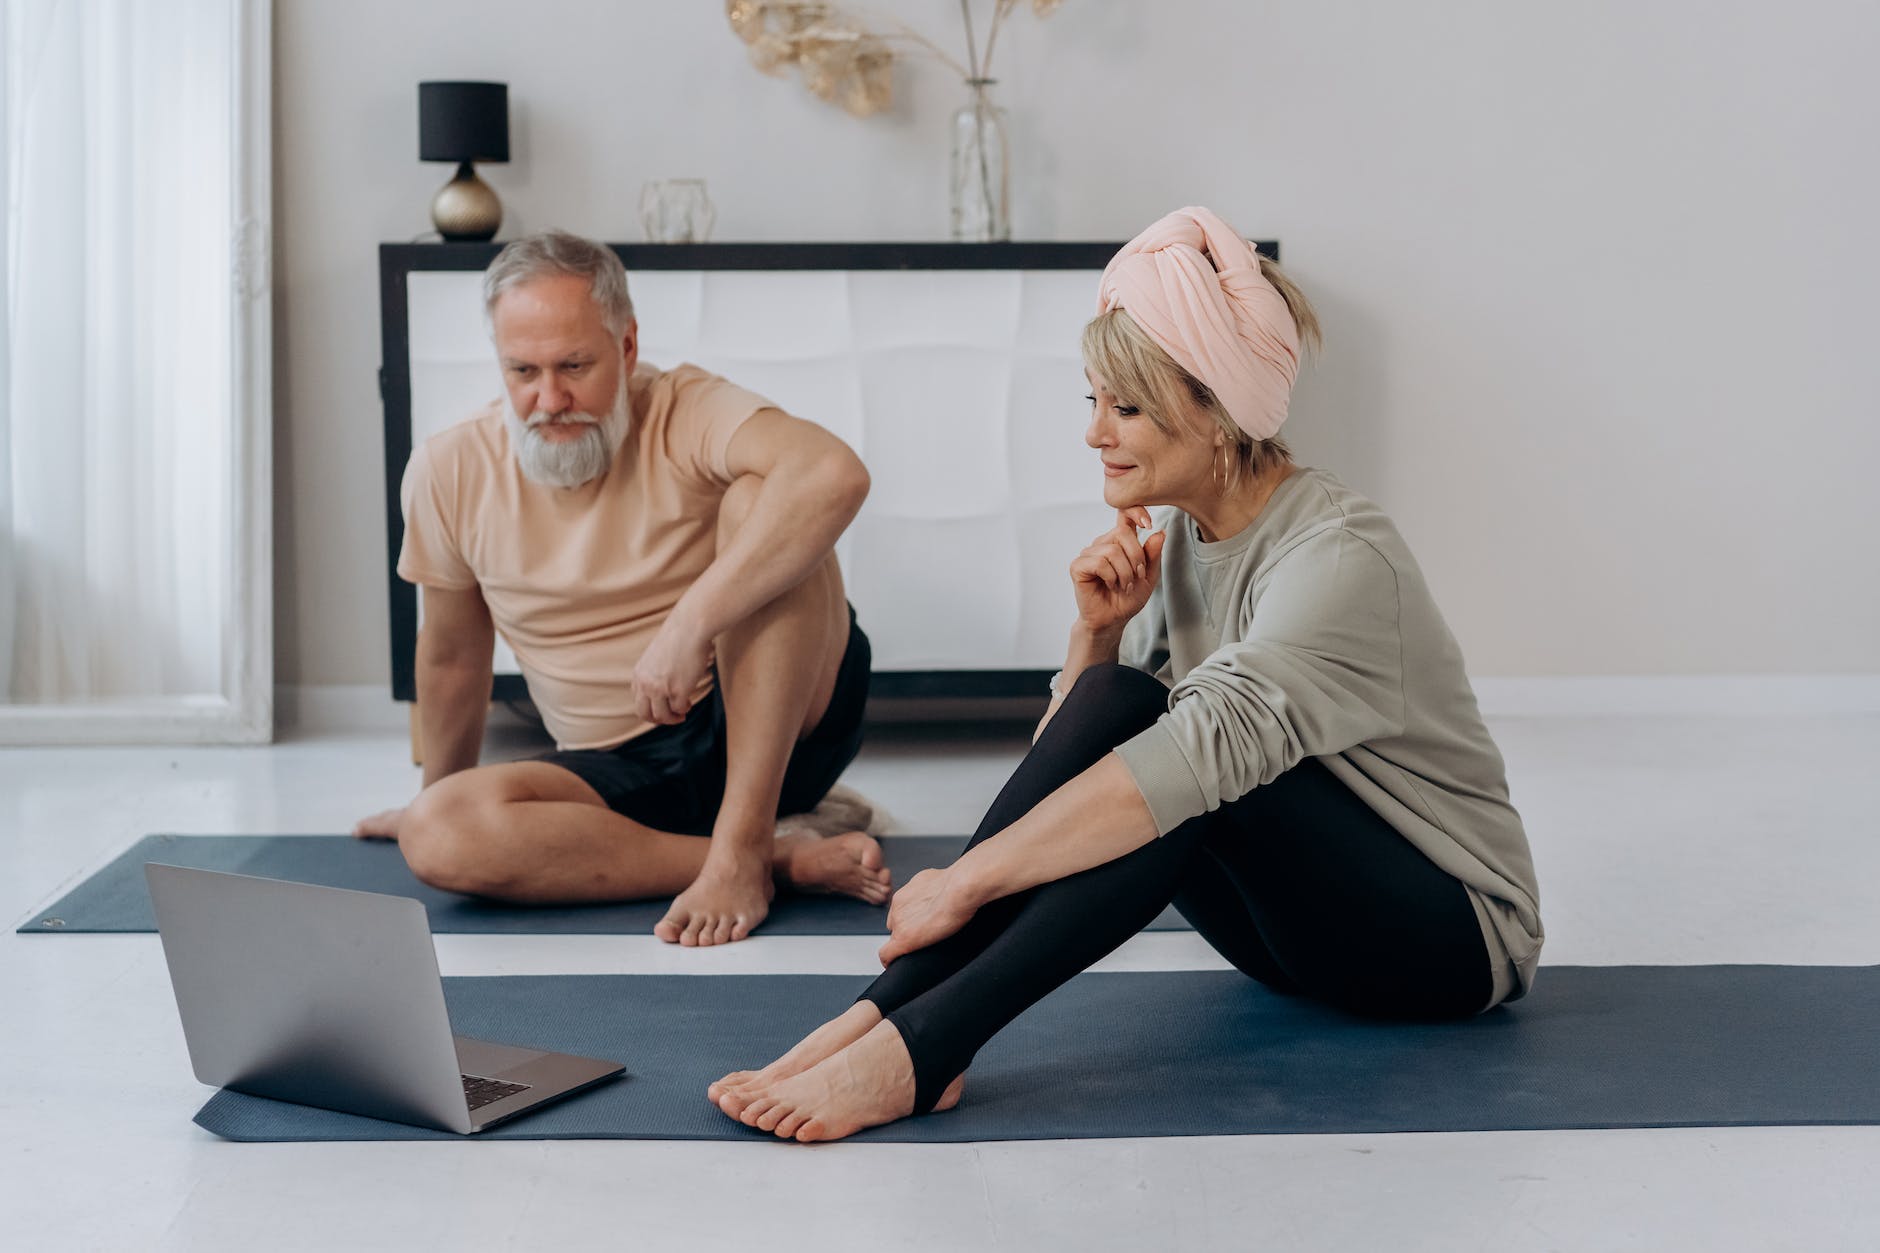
312, 994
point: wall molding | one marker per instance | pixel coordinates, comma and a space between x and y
338, 708
1696, 695
143, 723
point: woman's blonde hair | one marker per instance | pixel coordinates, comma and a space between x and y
1140, 373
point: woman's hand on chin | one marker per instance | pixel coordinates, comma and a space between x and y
927, 910
1114, 576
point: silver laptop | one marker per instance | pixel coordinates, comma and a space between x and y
331, 997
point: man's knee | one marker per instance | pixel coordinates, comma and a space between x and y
445, 839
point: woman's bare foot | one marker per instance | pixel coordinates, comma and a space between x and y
864, 1085
732, 1092
851, 864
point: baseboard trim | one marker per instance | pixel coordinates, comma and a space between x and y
369, 707
137, 723
333, 708
1703, 695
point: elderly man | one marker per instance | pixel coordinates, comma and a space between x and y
657, 548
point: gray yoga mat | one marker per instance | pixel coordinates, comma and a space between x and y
1204, 1053
115, 900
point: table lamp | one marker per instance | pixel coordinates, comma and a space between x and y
464, 122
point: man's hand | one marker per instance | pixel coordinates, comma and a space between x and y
669, 672
1113, 577
928, 910
380, 826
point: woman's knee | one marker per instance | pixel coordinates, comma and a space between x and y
1114, 683
1114, 696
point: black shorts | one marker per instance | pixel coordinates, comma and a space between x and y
672, 778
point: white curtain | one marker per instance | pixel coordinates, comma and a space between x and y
7, 595
117, 474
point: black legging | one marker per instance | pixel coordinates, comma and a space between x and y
1298, 883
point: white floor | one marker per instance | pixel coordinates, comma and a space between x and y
1659, 840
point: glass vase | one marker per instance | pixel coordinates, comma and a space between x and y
676, 211
981, 208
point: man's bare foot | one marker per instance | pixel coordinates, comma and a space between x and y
851, 864
719, 907
732, 1092
380, 826
864, 1085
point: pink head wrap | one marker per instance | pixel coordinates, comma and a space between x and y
1195, 288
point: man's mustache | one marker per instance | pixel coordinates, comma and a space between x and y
538, 418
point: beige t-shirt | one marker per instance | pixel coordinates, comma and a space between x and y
578, 580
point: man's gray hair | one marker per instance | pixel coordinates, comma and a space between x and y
559, 252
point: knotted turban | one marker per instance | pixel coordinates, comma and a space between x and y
1195, 288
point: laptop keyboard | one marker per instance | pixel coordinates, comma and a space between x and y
480, 1091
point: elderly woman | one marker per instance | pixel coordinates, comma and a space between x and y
1262, 718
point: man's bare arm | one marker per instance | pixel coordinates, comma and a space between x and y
814, 485
810, 488
453, 672
453, 679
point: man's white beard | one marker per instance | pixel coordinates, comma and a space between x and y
569, 462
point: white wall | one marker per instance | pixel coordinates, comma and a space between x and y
1597, 279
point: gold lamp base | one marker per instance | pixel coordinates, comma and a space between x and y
465, 209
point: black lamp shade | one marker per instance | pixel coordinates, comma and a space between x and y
463, 121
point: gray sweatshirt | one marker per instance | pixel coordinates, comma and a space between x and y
1312, 634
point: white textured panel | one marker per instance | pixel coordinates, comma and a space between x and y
1050, 463
825, 390
781, 315
445, 393
845, 558
1046, 540
934, 434
935, 308
962, 391
446, 316
937, 594
1053, 308
668, 305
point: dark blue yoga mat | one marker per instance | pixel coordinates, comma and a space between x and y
1204, 1053
116, 900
